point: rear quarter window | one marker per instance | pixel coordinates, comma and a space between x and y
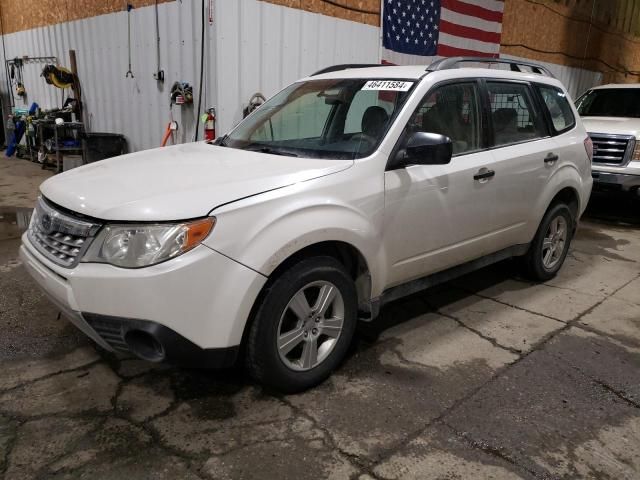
514, 115
560, 112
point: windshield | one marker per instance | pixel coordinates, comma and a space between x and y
610, 102
333, 119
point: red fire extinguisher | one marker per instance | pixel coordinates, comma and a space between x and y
210, 125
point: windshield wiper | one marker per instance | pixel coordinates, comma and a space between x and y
220, 141
272, 151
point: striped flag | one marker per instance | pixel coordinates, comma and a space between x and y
413, 29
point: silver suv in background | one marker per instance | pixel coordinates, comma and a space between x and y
611, 115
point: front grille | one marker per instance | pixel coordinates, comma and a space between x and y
612, 149
59, 236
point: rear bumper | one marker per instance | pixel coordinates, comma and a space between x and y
194, 306
615, 181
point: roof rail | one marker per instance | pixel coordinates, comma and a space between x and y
345, 66
452, 62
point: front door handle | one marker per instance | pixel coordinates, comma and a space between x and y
550, 158
484, 174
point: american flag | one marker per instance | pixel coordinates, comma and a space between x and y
442, 27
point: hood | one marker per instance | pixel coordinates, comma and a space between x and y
179, 182
612, 125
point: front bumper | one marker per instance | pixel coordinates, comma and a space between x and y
196, 303
615, 181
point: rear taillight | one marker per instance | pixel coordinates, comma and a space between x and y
588, 146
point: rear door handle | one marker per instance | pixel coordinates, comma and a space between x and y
484, 174
552, 157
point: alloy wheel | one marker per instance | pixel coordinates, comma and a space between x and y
554, 242
310, 325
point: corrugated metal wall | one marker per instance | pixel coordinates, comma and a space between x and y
138, 107
264, 47
251, 47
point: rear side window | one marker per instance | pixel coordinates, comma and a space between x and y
559, 109
513, 113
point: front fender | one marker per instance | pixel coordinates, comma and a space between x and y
263, 234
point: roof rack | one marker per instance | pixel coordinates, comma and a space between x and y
345, 66
514, 65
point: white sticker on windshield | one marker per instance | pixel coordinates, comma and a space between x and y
390, 85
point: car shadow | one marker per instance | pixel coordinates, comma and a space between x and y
614, 208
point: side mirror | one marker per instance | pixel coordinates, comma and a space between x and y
424, 148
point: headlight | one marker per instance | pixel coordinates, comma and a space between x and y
133, 246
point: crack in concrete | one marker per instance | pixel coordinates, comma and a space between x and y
157, 440
10, 445
149, 429
486, 448
328, 440
537, 347
71, 448
610, 336
620, 394
486, 297
489, 339
50, 375
414, 435
93, 415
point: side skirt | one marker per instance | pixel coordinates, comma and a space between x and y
414, 286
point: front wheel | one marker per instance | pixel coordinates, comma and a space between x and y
551, 243
303, 326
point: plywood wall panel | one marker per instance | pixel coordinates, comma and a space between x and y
19, 15
362, 11
557, 33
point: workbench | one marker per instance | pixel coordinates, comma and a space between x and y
66, 131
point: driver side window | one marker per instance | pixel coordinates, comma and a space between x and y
451, 110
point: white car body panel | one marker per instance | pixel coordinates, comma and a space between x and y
405, 223
292, 218
614, 125
208, 317
450, 217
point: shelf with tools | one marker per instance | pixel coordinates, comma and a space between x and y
48, 134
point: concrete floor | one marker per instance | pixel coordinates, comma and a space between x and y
487, 377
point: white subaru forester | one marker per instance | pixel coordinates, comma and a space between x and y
348, 189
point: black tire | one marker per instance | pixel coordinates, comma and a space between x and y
263, 360
534, 267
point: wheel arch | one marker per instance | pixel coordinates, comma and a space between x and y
565, 185
345, 253
570, 197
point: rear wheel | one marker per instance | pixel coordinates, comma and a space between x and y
551, 243
303, 326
